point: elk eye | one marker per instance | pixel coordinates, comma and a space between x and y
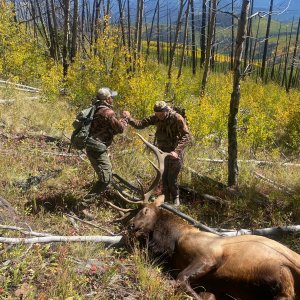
131, 226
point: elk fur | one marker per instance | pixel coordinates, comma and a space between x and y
244, 267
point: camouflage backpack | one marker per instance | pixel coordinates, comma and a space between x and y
82, 125
181, 111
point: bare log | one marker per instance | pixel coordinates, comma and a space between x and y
275, 184
109, 240
7, 102
275, 232
27, 87
251, 161
22, 230
189, 219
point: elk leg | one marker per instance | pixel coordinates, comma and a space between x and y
192, 272
287, 285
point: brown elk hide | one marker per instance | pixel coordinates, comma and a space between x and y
244, 267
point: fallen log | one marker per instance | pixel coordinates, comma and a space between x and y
19, 86
109, 240
275, 232
274, 184
6, 102
251, 161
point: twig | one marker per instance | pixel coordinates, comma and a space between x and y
71, 219
90, 223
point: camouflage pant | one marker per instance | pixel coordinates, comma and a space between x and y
169, 178
102, 166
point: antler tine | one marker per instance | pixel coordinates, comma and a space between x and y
154, 183
124, 194
160, 169
160, 155
119, 208
127, 200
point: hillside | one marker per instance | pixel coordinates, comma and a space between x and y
45, 185
52, 245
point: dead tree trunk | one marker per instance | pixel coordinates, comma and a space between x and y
184, 40
247, 42
264, 58
121, 12
149, 36
211, 27
294, 59
275, 55
203, 35
174, 45
235, 97
55, 29
193, 37
74, 32
288, 45
51, 32
158, 32
66, 36
232, 35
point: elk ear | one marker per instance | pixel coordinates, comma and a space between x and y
159, 200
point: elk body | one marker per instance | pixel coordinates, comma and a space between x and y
244, 267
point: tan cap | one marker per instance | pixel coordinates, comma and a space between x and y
105, 93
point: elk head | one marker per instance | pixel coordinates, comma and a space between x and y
145, 219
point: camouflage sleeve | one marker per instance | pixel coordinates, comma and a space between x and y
140, 124
117, 126
184, 135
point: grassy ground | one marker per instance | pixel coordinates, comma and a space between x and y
43, 183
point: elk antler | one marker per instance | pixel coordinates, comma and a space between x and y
145, 196
159, 170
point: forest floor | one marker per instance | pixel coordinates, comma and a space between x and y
45, 184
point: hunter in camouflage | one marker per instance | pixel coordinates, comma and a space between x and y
172, 135
103, 128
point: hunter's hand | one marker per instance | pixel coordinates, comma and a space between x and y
125, 114
174, 155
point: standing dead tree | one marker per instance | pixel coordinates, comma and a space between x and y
212, 21
66, 36
235, 97
203, 35
289, 84
264, 58
175, 42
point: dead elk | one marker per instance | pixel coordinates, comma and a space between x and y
244, 267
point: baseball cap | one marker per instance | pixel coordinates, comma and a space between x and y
104, 93
160, 106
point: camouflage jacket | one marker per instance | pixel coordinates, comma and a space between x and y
105, 124
172, 133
